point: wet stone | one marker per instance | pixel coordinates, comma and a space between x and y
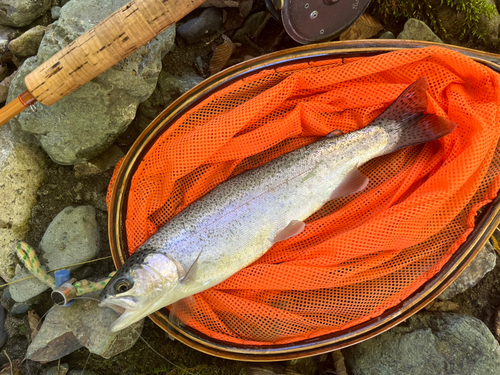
387, 35
206, 24
28, 43
55, 12
21, 13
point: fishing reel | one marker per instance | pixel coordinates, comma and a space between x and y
311, 21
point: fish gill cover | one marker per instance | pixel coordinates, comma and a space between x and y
359, 255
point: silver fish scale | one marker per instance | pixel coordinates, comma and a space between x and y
234, 224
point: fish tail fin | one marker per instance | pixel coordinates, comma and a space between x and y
407, 124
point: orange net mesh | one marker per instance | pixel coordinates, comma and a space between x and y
359, 255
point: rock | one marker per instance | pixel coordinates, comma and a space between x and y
206, 24
20, 177
4, 87
55, 12
20, 308
62, 369
387, 35
107, 160
27, 44
72, 237
19, 13
249, 27
452, 21
100, 110
6, 35
417, 30
305, 366
168, 89
3, 332
89, 325
428, 343
483, 263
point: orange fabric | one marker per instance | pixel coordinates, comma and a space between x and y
359, 255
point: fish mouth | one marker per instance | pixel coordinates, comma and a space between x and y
127, 308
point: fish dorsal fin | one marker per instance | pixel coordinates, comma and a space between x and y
177, 309
191, 273
354, 182
292, 229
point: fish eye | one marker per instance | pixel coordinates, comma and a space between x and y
122, 285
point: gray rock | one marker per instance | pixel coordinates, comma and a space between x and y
20, 308
206, 24
168, 89
6, 35
3, 332
20, 177
387, 35
4, 86
453, 22
58, 370
107, 160
483, 263
428, 343
55, 12
251, 24
27, 44
89, 325
417, 30
100, 110
72, 237
20, 13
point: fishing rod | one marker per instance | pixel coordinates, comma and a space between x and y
107, 43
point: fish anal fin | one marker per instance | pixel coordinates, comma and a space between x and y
354, 182
191, 273
292, 229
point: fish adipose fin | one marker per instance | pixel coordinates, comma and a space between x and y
354, 182
406, 123
292, 229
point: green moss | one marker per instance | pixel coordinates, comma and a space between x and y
425, 10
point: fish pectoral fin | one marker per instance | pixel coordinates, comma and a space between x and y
354, 182
292, 229
180, 314
190, 274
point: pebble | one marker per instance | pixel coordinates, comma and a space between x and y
206, 24
6, 296
387, 35
417, 30
21, 13
483, 263
20, 308
82, 323
3, 332
55, 12
81, 372
72, 237
62, 369
428, 343
28, 43
249, 27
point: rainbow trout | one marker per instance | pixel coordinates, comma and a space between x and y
239, 220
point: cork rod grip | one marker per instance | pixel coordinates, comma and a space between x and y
107, 43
